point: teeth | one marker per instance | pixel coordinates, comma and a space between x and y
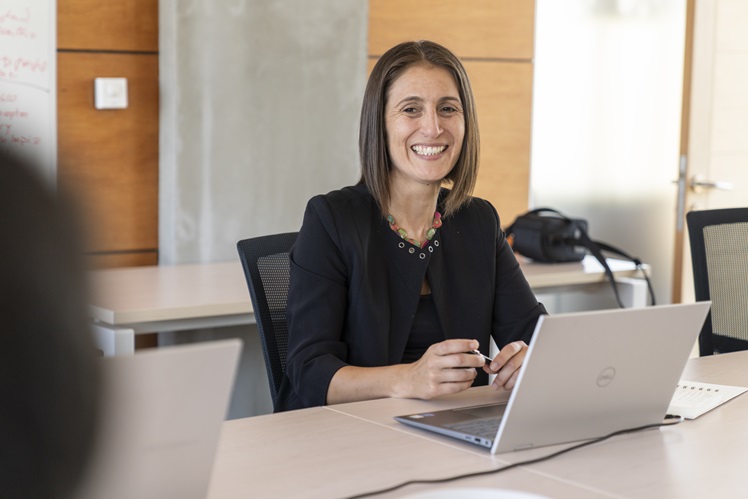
428, 151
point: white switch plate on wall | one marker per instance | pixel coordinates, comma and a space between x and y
110, 93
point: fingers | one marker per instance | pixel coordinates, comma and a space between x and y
456, 354
509, 385
448, 381
438, 382
507, 364
511, 354
445, 368
448, 347
457, 375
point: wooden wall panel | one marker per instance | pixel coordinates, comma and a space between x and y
503, 98
110, 157
123, 25
496, 29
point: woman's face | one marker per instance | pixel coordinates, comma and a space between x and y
425, 124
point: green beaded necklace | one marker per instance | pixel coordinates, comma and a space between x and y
429, 233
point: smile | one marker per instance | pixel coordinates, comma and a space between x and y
428, 150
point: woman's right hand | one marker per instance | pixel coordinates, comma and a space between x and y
446, 367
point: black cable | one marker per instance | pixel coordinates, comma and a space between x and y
678, 419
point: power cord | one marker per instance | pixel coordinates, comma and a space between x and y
673, 420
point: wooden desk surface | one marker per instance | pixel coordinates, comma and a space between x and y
341, 450
160, 293
135, 295
588, 271
326, 454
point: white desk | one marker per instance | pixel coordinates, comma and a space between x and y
561, 277
342, 450
140, 300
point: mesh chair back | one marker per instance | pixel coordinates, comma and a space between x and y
266, 267
719, 251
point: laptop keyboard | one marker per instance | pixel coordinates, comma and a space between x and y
484, 428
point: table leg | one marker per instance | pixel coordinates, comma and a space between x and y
112, 340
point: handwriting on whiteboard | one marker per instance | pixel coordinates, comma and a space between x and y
27, 80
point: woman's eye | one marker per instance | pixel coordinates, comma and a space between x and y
449, 109
410, 110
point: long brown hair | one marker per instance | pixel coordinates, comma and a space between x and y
372, 140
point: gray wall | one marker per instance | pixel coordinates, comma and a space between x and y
259, 112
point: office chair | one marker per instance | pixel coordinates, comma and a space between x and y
719, 252
266, 268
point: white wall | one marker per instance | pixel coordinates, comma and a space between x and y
259, 111
606, 122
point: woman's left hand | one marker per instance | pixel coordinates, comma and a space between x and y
506, 365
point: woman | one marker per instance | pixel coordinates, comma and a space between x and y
394, 282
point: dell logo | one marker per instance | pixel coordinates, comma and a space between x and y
606, 377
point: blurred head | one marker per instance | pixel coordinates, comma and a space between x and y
404, 66
49, 382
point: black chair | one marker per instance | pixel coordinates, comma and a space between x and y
266, 267
719, 252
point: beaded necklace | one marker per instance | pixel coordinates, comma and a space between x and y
429, 233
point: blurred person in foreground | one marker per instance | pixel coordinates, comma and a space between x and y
49, 378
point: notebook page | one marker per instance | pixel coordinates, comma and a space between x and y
692, 399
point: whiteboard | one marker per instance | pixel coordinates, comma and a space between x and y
28, 74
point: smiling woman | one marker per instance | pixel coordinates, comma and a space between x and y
425, 127
442, 75
395, 281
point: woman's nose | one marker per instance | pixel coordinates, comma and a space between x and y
431, 124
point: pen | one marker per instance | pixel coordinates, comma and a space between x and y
486, 358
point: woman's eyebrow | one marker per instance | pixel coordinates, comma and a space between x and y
451, 99
412, 98
415, 98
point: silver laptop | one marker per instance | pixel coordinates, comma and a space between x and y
585, 375
163, 413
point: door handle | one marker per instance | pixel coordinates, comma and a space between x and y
699, 184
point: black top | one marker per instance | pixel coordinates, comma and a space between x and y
355, 287
425, 331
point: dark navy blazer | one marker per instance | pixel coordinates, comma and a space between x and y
355, 287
